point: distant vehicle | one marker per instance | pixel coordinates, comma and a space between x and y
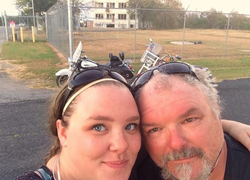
21, 24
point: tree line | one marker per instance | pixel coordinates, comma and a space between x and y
170, 14
154, 14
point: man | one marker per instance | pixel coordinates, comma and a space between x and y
181, 128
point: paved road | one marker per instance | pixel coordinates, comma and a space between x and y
24, 140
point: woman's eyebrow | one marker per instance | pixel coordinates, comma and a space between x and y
100, 118
106, 118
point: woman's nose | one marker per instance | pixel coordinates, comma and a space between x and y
119, 142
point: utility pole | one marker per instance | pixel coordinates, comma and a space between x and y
6, 26
33, 10
70, 18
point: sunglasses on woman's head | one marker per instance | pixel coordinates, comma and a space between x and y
90, 75
167, 68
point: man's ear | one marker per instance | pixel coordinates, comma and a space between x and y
62, 133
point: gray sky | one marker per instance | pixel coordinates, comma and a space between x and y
226, 6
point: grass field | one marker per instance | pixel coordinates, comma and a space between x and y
215, 43
39, 61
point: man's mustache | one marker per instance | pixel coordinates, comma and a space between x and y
186, 152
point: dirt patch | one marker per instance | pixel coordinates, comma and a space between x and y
12, 69
17, 72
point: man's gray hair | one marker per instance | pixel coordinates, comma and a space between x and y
205, 84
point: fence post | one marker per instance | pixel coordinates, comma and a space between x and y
70, 17
135, 28
228, 22
6, 26
21, 33
33, 33
46, 25
13, 34
184, 28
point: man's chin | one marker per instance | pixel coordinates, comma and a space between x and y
185, 171
180, 172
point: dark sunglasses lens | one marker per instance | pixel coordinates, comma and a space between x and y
173, 68
87, 76
143, 78
117, 76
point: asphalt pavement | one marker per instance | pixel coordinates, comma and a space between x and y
24, 139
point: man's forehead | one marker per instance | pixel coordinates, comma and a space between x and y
164, 83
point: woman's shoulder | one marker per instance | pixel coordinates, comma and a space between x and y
29, 175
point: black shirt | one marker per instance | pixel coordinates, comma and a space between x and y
238, 160
237, 167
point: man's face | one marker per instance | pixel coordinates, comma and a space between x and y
179, 129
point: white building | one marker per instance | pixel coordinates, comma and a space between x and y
112, 14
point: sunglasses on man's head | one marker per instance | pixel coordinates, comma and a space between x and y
89, 75
167, 68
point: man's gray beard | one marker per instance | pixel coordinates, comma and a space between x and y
184, 170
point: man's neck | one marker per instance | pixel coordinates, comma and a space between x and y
219, 171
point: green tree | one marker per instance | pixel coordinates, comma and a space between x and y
216, 20
144, 14
25, 6
163, 17
197, 21
239, 21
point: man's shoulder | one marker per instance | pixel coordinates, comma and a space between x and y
235, 146
238, 158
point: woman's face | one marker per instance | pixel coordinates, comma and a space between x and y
103, 138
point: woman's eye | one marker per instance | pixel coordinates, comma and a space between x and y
131, 126
99, 128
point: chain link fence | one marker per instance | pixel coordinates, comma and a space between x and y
26, 23
58, 29
112, 27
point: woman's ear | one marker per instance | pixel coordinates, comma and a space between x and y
62, 133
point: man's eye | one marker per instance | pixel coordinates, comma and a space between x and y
131, 126
153, 130
99, 128
188, 120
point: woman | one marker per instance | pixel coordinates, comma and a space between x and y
95, 124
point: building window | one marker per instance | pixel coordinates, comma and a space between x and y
122, 16
122, 5
99, 16
110, 16
111, 5
99, 5
132, 16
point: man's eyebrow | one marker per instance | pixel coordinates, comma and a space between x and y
189, 112
149, 124
181, 116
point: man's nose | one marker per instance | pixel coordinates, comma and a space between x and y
176, 139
